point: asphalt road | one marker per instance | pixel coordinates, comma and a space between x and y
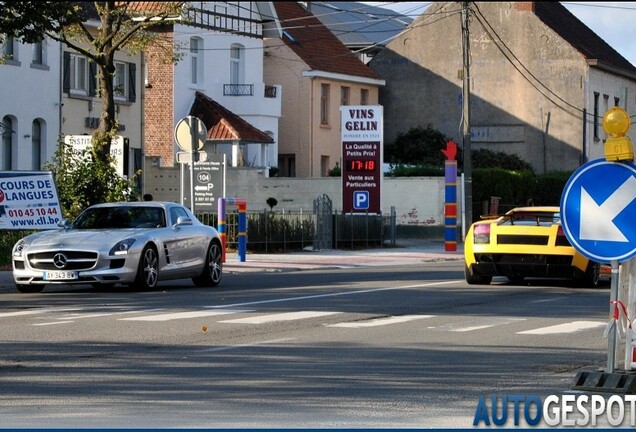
374, 347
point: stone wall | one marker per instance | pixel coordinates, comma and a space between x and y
418, 201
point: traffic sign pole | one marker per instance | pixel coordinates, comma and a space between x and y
612, 336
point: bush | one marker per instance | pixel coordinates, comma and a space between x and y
421, 146
83, 180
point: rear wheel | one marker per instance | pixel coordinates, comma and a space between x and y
148, 270
474, 279
30, 289
592, 276
213, 267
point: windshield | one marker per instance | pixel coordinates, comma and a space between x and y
120, 217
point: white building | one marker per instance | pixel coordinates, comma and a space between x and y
30, 107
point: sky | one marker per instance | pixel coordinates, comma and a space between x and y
615, 22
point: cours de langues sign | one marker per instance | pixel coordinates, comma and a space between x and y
28, 201
362, 148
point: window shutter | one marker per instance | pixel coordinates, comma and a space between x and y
132, 82
92, 78
66, 80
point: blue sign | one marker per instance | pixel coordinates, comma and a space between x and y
598, 210
360, 200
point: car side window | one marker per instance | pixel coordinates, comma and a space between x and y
175, 212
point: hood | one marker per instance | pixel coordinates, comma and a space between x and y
88, 239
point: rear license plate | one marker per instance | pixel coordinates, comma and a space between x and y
60, 275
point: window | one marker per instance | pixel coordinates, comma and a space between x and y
36, 145
596, 97
8, 52
324, 104
78, 74
175, 213
324, 166
38, 53
7, 143
364, 96
196, 60
344, 95
287, 165
237, 64
119, 81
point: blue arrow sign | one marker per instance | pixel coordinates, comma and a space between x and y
598, 210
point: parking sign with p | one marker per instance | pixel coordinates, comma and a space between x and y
361, 200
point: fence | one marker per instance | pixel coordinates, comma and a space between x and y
272, 232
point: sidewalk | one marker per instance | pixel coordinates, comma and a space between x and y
405, 252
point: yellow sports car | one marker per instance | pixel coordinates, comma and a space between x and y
526, 242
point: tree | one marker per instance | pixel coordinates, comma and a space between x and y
122, 26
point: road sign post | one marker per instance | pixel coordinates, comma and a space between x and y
190, 134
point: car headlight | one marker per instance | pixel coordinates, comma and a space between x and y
18, 248
122, 247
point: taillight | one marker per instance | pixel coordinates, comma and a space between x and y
481, 234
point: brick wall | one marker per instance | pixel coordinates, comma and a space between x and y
158, 104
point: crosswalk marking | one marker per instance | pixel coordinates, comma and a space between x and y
570, 327
285, 316
380, 321
34, 312
493, 322
184, 315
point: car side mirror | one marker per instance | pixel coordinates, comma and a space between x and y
182, 220
64, 223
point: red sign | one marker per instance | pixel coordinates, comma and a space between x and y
362, 149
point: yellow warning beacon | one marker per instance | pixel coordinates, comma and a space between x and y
618, 146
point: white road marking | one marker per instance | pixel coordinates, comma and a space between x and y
491, 323
337, 294
34, 312
184, 315
285, 316
246, 345
570, 327
380, 321
52, 323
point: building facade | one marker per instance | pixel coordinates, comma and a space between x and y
30, 103
319, 75
540, 81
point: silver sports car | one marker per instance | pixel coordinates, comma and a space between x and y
132, 243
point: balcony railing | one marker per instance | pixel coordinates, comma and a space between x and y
238, 89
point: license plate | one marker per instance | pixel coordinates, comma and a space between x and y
60, 275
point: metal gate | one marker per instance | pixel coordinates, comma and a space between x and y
324, 223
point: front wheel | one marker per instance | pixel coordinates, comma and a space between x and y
213, 268
148, 269
30, 289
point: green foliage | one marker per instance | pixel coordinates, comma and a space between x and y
271, 202
485, 158
335, 171
421, 146
83, 180
7, 240
415, 171
516, 188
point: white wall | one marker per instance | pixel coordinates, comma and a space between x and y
29, 92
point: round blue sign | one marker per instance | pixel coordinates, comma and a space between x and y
598, 210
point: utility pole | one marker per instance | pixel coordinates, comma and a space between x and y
468, 168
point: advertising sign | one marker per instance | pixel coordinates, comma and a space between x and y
362, 149
28, 201
209, 182
81, 142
